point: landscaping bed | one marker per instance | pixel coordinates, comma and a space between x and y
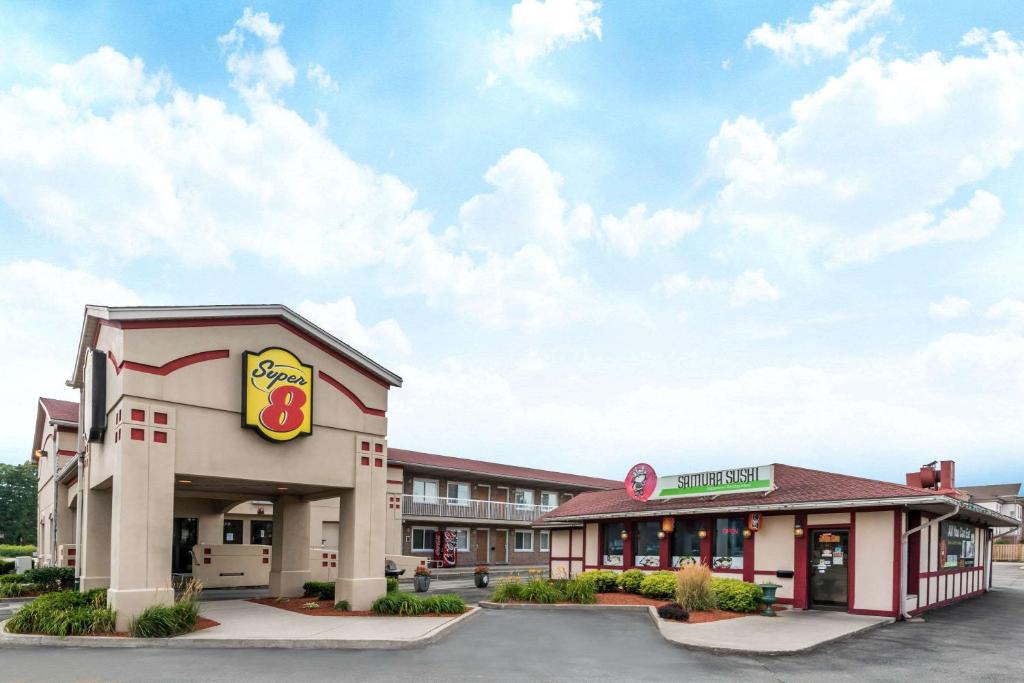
388, 606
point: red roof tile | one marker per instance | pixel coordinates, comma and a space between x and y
793, 485
398, 456
65, 411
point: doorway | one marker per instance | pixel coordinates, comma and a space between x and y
829, 572
186, 534
483, 545
500, 547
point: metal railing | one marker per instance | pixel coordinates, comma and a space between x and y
464, 508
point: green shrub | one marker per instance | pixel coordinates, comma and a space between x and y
13, 578
321, 590
6, 567
541, 592
392, 584
673, 611
659, 585
14, 589
580, 591
444, 604
508, 590
341, 606
693, 588
604, 581
51, 578
165, 621
398, 604
16, 550
64, 613
630, 581
734, 595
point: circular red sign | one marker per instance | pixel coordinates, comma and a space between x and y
641, 481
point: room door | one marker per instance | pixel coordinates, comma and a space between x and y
186, 533
483, 546
829, 571
499, 546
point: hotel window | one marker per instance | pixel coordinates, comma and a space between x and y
524, 541
524, 497
423, 539
545, 541
685, 543
233, 531
261, 532
461, 540
549, 499
612, 542
424, 491
459, 492
647, 545
728, 543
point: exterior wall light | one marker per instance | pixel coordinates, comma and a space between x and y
661, 534
702, 534
668, 525
798, 531
624, 534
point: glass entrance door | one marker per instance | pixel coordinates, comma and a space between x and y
186, 534
829, 570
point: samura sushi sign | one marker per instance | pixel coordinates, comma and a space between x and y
643, 484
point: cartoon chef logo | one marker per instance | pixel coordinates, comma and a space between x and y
641, 481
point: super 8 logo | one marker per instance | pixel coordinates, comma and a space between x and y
277, 394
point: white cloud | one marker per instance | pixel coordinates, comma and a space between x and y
1009, 310
538, 28
637, 230
749, 286
341, 319
321, 78
827, 32
941, 127
950, 308
259, 71
752, 285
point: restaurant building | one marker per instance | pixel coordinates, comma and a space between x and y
831, 541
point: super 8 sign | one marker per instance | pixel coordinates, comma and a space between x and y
277, 394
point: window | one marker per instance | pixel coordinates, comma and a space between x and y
423, 539
460, 492
685, 543
524, 497
424, 491
612, 544
549, 499
524, 541
728, 543
545, 541
261, 532
233, 531
647, 545
461, 539
956, 545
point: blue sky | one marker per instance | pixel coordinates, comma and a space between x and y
694, 234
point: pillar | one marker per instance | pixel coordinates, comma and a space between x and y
94, 546
289, 555
211, 525
142, 525
362, 530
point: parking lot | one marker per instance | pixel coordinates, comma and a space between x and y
975, 640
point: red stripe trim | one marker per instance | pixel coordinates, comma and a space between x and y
71, 483
170, 366
234, 322
64, 451
948, 572
355, 399
395, 481
873, 612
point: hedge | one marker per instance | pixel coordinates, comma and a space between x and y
604, 581
7, 550
50, 578
407, 604
734, 595
65, 613
6, 567
630, 580
659, 585
322, 590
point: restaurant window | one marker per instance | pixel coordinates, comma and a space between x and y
728, 545
460, 492
956, 545
261, 532
423, 539
611, 554
233, 531
647, 545
685, 543
524, 541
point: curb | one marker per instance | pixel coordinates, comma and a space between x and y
432, 636
564, 606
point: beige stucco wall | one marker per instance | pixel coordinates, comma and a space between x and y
590, 545
828, 518
873, 555
774, 550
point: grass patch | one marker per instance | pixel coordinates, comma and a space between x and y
406, 604
8, 550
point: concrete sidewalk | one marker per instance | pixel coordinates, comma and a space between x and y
792, 631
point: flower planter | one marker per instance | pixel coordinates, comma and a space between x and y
481, 580
768, 597
421, 583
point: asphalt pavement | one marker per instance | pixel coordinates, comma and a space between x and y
975, 640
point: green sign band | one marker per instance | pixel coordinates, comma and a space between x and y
717, 488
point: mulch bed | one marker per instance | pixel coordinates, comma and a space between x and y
325, 608
695, 617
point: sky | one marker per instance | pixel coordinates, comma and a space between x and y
698, 235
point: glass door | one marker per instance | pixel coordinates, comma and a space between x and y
186, 534
829, 570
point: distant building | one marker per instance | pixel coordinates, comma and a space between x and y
1003, 498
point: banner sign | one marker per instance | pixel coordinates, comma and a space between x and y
277, 394
643, 484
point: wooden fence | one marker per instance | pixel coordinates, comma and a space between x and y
1008, 552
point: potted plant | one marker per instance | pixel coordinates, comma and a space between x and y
481, 576
768, 597
421, 579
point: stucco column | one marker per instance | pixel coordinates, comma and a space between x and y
142, 508
289, 555
94, 546
362, 529
211, 527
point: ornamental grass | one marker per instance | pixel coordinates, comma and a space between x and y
693, 588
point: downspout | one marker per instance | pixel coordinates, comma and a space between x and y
904, 552
78, 521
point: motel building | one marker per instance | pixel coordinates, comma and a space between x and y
831, 541
245, 446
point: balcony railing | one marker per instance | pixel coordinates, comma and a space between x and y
463, 508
